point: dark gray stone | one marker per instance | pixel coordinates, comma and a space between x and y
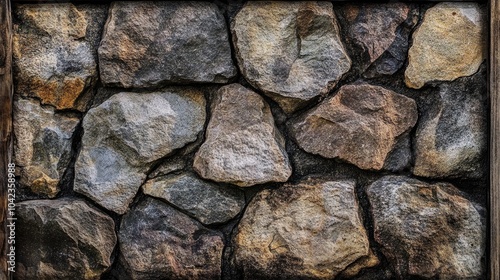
206, 202
147, 44
158, 242
62, 239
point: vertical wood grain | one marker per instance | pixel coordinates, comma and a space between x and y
494, 87
6, 91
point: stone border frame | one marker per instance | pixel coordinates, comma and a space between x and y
6, 97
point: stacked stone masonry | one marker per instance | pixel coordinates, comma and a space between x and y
251, 140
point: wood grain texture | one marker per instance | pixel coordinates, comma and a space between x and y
494, 77
6, 91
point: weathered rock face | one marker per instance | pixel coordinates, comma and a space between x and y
54, 54
451, 138
310, 230
427, 230
290, 50
381, 31
126, 134
62, 239
206, 202
359, 125
450, 43
43, 146
157, 242
242, 146
148, 44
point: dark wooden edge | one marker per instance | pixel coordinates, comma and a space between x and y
494, 90
6, 92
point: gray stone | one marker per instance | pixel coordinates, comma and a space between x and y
242, 145
147, 44
292, 51
158, 242
425, 230
42, 149
126, 134
451, 138
449, 43
206, 202
54, 52
311, 230
62, 239
359, 124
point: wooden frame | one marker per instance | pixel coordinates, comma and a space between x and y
6, 91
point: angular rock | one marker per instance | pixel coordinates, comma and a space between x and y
452, 136
147, 44
126, 134
373, 26
42, 148
62, 239
291, 51
359, 124
158, 242
54, 52
311, 230
425, 230
206, 202
242, 145
381, 31
171, 165
450, 43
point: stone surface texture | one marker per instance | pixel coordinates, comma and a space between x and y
158, 242
54, 52
427, 230
451, 139
450, 43
204, 201
62, 239
43, 146
292, 51
311, 230
359, 125
381, 31
242, 145
147, 44
126, 134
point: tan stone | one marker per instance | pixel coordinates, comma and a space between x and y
311, 230
242, 145
359, 124
54, 52
450, 43
292, 51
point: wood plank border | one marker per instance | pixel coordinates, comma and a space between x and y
6, 92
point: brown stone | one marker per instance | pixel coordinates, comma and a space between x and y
359, 125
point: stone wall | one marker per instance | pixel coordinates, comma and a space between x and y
259, 140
